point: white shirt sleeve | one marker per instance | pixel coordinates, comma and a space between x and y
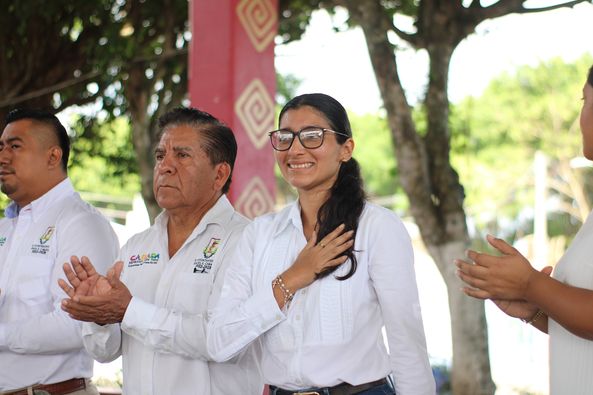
103, 343
166, 330
87, 235
174, 331
391, 268
242, 314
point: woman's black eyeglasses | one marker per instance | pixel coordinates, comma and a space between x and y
310, 137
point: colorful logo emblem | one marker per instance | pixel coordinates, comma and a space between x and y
150, 258
211, 248
47, 235
2, 240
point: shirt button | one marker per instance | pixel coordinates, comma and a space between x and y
278, 317
298, 317
304, 292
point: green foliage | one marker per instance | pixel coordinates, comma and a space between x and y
296, 14
495, 136
103, 159
374, 152
286, 87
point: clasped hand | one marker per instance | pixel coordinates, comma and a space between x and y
93, 297
504, 279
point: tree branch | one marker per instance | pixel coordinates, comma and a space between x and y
86, 77
49, 89
505, 7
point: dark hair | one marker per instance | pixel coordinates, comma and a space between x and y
590, 77
347, 198
219, 141
48, 119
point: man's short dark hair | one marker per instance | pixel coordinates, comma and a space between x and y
48, 119
219, 141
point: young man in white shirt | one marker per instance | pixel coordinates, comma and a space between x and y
154, 314
47, 222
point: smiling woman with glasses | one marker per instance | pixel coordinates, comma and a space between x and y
314, 284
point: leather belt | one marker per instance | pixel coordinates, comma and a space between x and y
61, 388
340, 389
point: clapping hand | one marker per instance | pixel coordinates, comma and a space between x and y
496, 277
83, 278
504, 279
95, 298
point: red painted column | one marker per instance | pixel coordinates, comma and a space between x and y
232, 76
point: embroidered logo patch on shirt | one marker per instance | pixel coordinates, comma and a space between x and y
47, 235
211, 248
2, 240
43, 246
150, 258
203, 265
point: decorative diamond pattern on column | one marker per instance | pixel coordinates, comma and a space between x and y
255, 109
255, 199
258, 18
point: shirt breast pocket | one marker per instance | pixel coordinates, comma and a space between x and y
33, 280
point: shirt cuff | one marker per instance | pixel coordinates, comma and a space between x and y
90, 328
139, 314
262, 304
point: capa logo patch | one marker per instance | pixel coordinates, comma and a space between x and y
149, 258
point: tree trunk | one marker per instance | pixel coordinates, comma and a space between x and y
433, 188
146, 101
138, 96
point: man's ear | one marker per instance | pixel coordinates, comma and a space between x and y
54, 157
223, 172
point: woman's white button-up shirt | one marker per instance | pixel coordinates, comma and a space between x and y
332, 330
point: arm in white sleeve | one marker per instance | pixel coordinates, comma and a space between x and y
391, 268
103, 343
85, 235
242, 314
174, 331
60, 334
166, 330
171, 330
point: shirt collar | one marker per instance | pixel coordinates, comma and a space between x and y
220, 214
291, 215
40, 205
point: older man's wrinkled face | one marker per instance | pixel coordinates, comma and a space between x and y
184, 177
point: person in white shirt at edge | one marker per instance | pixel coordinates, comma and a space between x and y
315, 283
172, 272
46, 223
560, 305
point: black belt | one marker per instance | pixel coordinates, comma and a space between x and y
340, 389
